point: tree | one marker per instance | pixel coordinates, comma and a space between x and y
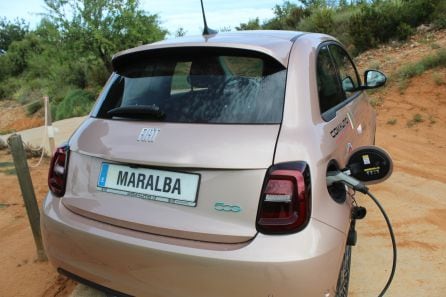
253, 24
103, 27
180, 32
11, 31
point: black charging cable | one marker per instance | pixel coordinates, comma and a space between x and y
392, 237
339, 176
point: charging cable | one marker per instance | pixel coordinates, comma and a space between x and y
339, 176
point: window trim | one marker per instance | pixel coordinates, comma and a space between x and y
330, 114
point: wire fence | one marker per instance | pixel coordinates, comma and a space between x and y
24, 105
37, 150
44, 135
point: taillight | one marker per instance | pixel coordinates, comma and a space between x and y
57, 176
285, 200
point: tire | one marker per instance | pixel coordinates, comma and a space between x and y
344, 273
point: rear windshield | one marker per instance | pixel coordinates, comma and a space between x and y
197, 86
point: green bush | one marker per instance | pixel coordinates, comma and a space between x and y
439, 15
321, 20
77, 103
382, 21
413, 69
404, 31
417, 12
8, 87
33, 107
374, 24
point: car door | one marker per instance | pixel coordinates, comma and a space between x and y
360, 114
342, 104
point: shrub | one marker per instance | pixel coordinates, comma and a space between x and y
413, 69
382, 21
391, 121
77, 103
404, 31
321, 21
33, 107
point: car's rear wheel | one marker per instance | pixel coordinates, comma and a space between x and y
344, 273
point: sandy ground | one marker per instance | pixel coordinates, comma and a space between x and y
414, 197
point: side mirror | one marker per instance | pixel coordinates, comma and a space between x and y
374, 79
370, 164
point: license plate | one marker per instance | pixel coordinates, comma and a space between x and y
152, 184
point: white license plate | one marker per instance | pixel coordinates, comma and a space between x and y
145, 183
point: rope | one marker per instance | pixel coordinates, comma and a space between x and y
20, 106
44, 137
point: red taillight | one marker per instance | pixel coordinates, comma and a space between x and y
285, 200
57, 176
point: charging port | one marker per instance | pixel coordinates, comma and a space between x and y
337, 191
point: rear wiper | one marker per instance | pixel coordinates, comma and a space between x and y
137, 112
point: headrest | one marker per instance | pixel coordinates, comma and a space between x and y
205, 72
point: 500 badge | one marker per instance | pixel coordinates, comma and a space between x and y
221, 206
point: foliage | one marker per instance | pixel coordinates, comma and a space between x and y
321, 20
417, 118
432, 61
252, 24
70, 49
391, 121
359, 24
78, 102
439, 15
11, 31
103, 27
180, 32
385, 20
33, 107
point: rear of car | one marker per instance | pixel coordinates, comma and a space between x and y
172, 186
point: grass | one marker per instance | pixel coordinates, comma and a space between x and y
9, 171
374, 65
435, 46
402, 85
376, 101
417, 118
7, 168
391, 122
6, 164
7, 131
432, 61
438, 79
432, 120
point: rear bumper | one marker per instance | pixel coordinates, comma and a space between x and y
303, 264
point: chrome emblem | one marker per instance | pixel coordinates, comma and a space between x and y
221, 206
148, 134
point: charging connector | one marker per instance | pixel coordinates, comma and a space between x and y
339, 176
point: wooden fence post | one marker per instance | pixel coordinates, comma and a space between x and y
49, 126
26, 186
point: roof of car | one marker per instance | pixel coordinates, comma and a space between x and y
273, 43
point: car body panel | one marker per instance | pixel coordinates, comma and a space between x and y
203, 222
142, 264
178, 144
276, 44
307, 136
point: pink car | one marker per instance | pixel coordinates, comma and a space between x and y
201, 170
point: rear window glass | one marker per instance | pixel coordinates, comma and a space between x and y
198, 86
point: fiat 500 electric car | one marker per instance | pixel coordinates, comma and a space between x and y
201, 170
